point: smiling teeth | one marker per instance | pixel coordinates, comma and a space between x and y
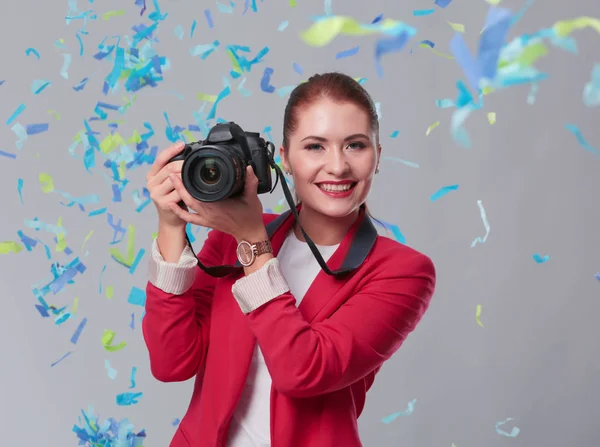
335, 188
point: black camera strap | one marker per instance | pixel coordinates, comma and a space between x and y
364, 239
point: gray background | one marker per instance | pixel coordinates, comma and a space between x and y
536, 360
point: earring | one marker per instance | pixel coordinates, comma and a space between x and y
377, 170
288, 172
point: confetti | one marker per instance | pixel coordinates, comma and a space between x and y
32, 129
15, 114
46, 182
478, 315
513, 433
175, 422
126, 399
486, 225
64, 72
80, 327
110, 433
193, 28
107, 15
539, 259
581, 140
10, 247
458, 27
491, 117
431, 127
347, 53
442, 192
423, 12
442, 3
209, 19
392, 417
591, 91
8, 154
597, 276
132, 376
283, 25
60, 359
112, 373
38, 85
107, 339
137, 297
33, 51
265, 82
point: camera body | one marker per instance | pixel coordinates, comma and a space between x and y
215, 169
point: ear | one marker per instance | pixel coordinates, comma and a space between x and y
284, 158
378, 154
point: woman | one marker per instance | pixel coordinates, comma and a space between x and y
284, 353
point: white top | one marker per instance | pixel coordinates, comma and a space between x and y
294, 269
251, 423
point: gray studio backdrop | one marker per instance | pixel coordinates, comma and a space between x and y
536, 358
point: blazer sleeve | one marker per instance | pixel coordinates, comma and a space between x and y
306, 359
176, 325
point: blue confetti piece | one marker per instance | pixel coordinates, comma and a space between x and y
392, 417
80, 43
7, 154
112, 373
580, 139
394, 134
486, 225
377, 19
297, 68
327, 7
20, 132
132, 322
429, 43
175, 422
178, 31
444, 103
137, 260
347, 53
283, 25
39, 85
591, 91
64, 72
265, 82
20, 189
132, 377
33, 129
33, 51
209, 19
539, 259
125, 399
597, 276
81, 85
492, 40
193, 28
513, 433
442, 3
423, 12
2, 81
442, 192
222, 94
465, 59
78, 331
15, 114
226, 9
60, 359
137, 297
389, 45
110, 433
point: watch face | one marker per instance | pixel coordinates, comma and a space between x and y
245, 253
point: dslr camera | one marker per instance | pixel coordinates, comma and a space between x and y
215, 169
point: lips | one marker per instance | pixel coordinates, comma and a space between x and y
338, 187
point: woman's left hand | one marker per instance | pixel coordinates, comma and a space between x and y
240, 216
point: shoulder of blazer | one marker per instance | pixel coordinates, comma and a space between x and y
391, 255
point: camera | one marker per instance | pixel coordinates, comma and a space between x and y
215, 169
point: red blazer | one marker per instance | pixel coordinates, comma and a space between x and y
322, 355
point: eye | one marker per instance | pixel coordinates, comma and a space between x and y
313, 146
357, 145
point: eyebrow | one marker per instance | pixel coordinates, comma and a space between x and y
349, 137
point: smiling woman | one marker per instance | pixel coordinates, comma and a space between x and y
283, 352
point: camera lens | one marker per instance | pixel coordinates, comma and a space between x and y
210, 173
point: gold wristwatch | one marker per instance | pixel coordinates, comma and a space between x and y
247, 252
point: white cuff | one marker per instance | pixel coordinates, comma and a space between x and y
260, 287
170, 277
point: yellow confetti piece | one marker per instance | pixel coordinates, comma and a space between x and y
494, 3
530, 54
491, 117
204, 97
565, 27
110, 292
478, 314
87, 238
107, 339
10, 247
54, 113
434, 51
75, 306
324, 31
46, 182
431, 127
234, 62
61, 242
154, 235
293, 3
122, 167
111, 142
487, 90
459, 27
109, 14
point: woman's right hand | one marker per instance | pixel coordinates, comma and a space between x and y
160, 186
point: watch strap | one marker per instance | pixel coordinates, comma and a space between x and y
262, 247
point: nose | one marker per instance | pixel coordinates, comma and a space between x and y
337, 164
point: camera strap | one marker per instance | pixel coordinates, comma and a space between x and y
360, 247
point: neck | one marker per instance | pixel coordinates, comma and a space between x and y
322, 229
